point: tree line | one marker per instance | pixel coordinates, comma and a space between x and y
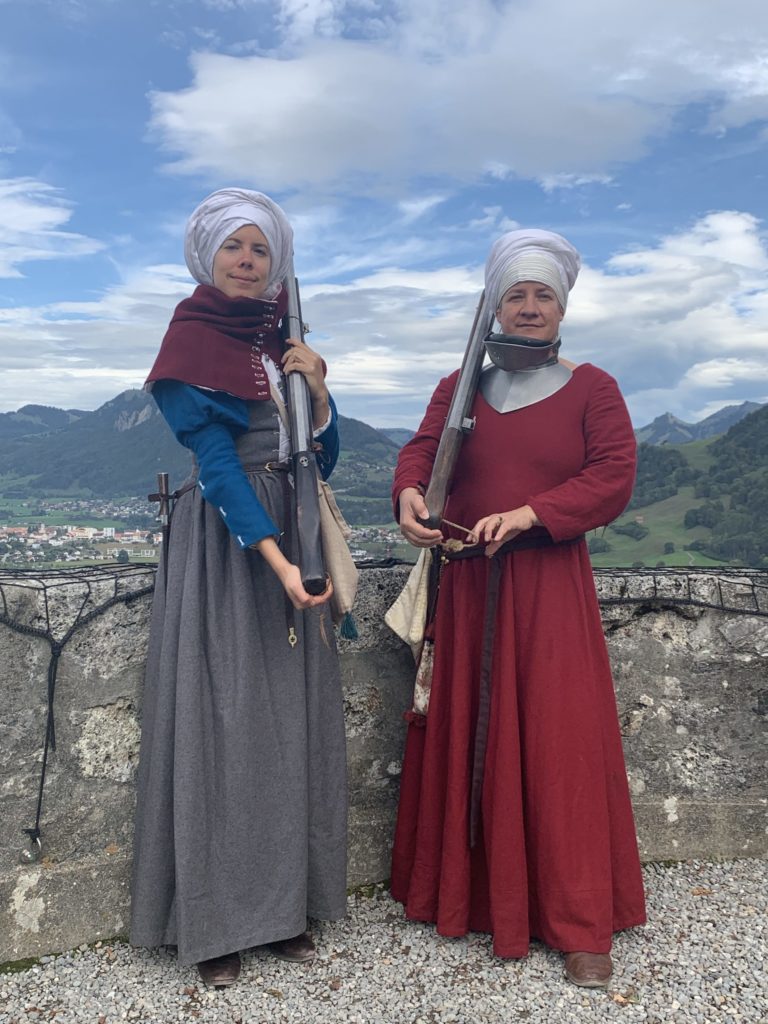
733, 490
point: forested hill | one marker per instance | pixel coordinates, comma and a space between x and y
115, 451
740, 469
34, 419
118, 450
718, 487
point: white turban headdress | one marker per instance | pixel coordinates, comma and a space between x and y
531, 254
221, 214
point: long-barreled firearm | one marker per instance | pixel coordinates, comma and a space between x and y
310, 550
458, 422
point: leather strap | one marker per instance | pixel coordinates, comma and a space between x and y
484, 702
521, 543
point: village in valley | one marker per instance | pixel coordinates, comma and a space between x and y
62, 532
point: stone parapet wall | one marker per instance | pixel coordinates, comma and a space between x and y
692, 692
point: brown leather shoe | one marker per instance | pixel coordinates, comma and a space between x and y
590, 970
220, 971
298, 950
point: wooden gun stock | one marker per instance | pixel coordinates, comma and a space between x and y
442, 473
310, 550
457, 423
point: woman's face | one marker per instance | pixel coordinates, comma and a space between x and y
241, 266
530, 309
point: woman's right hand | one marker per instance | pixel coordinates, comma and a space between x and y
299, 598
413, 512
290, 575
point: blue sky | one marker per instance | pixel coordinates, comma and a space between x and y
402, 139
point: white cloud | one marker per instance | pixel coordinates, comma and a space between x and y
679, 320
32, 217
414, 208
712, 407
302, 18
647, 317
550, 91
81, 354
552, 182
681, 324
724, 373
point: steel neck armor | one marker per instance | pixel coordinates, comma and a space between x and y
525, 371
514, 352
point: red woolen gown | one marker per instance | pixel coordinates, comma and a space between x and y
556, 858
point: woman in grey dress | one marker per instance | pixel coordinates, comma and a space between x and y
241, 818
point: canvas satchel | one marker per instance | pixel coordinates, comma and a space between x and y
339, 564
409, 618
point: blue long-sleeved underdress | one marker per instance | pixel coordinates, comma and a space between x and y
207, 422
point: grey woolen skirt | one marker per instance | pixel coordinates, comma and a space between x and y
241, 818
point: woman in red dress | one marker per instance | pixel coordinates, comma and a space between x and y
514, 816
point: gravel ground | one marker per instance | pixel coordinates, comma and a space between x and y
701, 958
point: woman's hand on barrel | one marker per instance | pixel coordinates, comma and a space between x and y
300, 358
413, 512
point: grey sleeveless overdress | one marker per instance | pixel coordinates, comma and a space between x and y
241, 819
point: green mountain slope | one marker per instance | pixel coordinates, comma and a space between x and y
119, 449
699, 503
36, 419
116, 450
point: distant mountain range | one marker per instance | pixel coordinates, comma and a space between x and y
119, 449
668, 429
36, 419
398, 434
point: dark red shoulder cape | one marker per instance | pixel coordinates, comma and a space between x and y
217, 342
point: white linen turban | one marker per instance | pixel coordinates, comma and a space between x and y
531, 254
221, 214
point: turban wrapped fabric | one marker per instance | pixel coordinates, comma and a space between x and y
220, 215
531, 254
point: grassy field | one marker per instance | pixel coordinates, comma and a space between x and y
31, 511
14, 513
696, 453
21, 485
664, 520
62, 519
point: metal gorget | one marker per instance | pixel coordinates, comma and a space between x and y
507, 390
525, 371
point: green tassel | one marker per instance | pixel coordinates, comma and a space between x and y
348, 629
